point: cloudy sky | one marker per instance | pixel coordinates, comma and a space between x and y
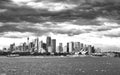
94, 22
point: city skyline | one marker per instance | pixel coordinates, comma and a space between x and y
51, 47
94, 22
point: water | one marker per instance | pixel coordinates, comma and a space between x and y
59, 66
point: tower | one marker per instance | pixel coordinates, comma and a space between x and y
53, 45
48, 42
89, 49
71, 47
60, 47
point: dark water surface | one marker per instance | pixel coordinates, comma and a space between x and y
59, 66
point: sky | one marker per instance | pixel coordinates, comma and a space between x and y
94, 22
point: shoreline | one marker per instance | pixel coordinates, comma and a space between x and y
70, 56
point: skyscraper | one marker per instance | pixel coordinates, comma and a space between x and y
31, 46
48, 42
24, 46
40, 46
60, 47
44, 46
75, 46
81, 46
71, 47
36, 44
89, 49
78, 46
53, 45
67, 47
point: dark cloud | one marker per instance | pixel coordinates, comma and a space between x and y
112, 35
84, 14
88, 10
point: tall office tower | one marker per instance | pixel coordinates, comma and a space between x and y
37, 41
48, 42
67, 47
35, 47
93, 49
71, 47
40, 46
89, 49
31, 46
78, 46
85, 47
53, 45
24, 47
60, 47
81, 46
57, 49
44, 46
76, 49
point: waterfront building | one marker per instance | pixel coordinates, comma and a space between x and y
24, 47
44, 46
31, 47
76, 46
53, 45
81, 46
65, 49
71, 47
60, 48
48, 41
89, 49
40, 46
36, 45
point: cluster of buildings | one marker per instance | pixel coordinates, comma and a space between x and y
50, 47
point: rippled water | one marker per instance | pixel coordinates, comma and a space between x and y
60, 66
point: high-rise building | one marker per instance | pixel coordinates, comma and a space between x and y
31, 47
65, 49
71, 47
53, 45
48, 42
85, 47
60, 47
89, 49
81, 46
78, 46
40, 46
24, 47
36, 42
93, 49
44, 46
